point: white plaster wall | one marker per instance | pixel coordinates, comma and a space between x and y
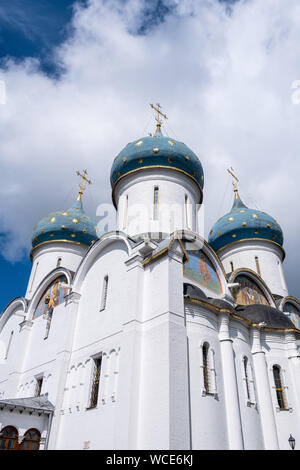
97, 332
173, 187
40, 356
45, 260
250, 417
287, 421
208, 416
23, 422
9, 365
243, 254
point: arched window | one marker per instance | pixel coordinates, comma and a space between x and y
279, 388
31, 440
58, 264
257, 265
247, 385
9, 438
104, 293
95, 382
209, 374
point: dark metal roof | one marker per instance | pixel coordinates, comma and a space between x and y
189, 290
259, 313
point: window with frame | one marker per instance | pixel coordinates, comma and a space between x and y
155, 203
39, 385
209, 385
279, 388
206, 374
95, 382
104, 293
9, 438
31, 440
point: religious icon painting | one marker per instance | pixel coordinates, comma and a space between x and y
53, 296
294, 313
248, 292
200, 269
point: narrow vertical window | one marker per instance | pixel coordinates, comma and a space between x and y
39, 385
9, 344
125, 212
104, 293
279, 388
58, 264
186, 211
155, 203
33, 276
205, 367
48, 317
246, 376
257, 265
95, 382
231, 266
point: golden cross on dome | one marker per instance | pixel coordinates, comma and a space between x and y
159, 114
84, 180
235, 180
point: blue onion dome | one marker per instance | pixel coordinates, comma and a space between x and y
242, 223
157, 151
72, 225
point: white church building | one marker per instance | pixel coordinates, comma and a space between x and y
149, 336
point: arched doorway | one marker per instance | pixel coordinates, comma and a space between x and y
9, 438
31, 440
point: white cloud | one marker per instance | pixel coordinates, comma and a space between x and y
225, 82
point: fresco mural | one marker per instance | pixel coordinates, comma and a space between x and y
54, 293
249, 292
294, 313
200, 269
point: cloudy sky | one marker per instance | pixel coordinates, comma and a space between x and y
79, 77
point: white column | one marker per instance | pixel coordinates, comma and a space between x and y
264, 397
294, 363
234, 424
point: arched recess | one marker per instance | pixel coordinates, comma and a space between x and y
44, 285
252, 289
203, 266
17, 305
291, 306
94, 252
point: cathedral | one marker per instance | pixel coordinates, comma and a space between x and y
148, 336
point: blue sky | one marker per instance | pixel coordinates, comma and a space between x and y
78, 89
36, 31
29, 32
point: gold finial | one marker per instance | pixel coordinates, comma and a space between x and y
235, 180
84, 180
159, 114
